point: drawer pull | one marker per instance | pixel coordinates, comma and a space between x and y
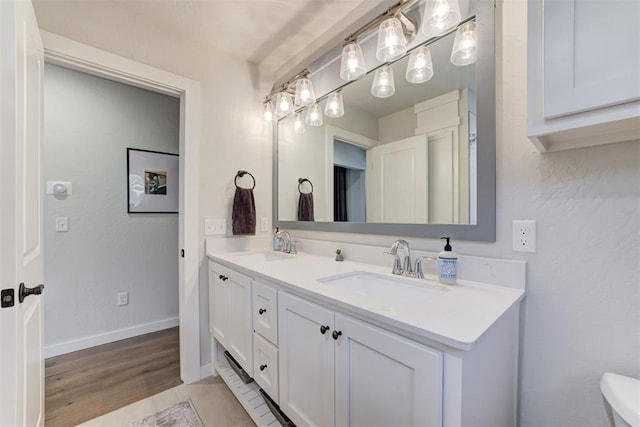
262, 311
336, 334
324, 329
263, 367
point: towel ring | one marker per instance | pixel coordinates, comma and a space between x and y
241, 174
300, 181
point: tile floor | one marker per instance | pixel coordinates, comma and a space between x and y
213, 400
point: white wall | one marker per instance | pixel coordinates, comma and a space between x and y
88, 124
581, 315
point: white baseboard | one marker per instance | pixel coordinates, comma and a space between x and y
107, 337
206, 370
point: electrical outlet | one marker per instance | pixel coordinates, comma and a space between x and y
264, 224
123, 298
524, 235
62, 224
215, 226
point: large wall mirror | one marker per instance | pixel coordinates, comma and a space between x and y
420, 163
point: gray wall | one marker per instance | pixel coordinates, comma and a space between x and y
88, 124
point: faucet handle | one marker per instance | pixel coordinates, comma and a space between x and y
397, 267
419, 272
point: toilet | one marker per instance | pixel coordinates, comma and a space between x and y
623, 395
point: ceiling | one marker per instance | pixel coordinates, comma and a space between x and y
273, 34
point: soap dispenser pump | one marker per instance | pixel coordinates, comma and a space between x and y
447, 265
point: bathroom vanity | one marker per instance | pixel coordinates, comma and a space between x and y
348, 343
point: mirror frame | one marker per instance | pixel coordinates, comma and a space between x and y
485, 229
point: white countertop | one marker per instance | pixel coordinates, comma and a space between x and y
457, 317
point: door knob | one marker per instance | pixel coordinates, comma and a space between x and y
24, 292
323, 329
336, 334
262, 311
263, 367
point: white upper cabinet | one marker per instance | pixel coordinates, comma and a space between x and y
583, 72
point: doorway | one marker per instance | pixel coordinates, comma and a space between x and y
71, 54
349, 189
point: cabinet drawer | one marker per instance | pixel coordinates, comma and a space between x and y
265, 368
265, 311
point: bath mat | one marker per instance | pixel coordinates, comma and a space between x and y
181, 414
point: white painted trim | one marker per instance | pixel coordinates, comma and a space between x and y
81, 57
207, 371
107, 337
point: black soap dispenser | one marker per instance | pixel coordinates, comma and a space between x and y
447, 265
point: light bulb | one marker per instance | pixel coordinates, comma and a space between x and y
268, 111
335, 106
464, 49
420, 67
439, 16
314, 115
304, 94
383, 85
283, 104
352, 64
391, 41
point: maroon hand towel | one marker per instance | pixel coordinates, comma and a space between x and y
305, 207
243, 218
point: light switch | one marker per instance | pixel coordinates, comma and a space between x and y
62, 224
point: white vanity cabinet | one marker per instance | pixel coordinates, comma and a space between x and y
583, 72
230, 321
336, 370
265, 338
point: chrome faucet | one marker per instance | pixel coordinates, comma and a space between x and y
406, 269
285, 241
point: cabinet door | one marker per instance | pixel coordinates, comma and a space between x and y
265, 366
218, 306
265, 311
306, 361
240, 325
591, 55
383, 379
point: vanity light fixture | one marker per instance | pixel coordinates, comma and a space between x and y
298, 126
391, 41
335, 106
305, 94
440, 16
464, 51
420, 67
284, 106
268, 111
383, 84
352, 65
314, 115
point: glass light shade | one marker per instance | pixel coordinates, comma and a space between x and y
335, 106
352, 65
268, 111
391, 40
298, 126
420, 68
284, 106
440, 16
305, 94
383, 85
314, 116
464, 51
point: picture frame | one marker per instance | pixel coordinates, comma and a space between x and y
152, 181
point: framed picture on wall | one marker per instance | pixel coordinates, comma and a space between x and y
152, 179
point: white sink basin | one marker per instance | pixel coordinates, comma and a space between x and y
392, 290
262, 256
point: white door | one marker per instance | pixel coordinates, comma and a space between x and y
21, 261
383, 379
397, 181
219, 305
240, 321
306, 361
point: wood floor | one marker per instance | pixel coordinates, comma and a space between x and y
85, 384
